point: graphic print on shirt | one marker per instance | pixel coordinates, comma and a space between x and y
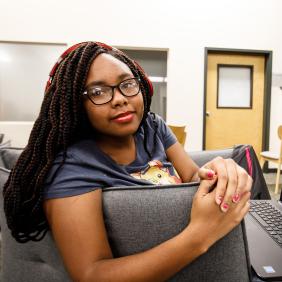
157, 174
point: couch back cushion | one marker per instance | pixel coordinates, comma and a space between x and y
5, 144
139, 218
202, 157
9, 156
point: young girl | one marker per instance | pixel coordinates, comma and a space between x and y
95, 130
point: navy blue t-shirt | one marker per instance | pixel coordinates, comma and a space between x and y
87, 168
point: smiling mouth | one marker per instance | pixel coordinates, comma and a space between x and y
123, 117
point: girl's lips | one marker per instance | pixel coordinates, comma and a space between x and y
124, 118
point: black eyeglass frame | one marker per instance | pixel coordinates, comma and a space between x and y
137, 79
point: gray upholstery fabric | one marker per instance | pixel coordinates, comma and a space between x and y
1, 161
3, 146
139, 218
33, 261
9, 156
136, 219
202, 157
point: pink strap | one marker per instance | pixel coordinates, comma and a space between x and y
249, 161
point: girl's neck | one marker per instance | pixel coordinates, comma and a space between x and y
121, 149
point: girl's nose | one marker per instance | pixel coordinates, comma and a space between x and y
118, 98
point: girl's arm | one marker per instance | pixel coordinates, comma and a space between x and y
79, 232
184, 165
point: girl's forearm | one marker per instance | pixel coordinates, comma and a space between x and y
157, 264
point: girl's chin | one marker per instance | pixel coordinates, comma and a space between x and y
120, 132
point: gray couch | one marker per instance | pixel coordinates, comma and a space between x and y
164, 213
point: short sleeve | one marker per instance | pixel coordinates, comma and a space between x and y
70, 179
167, 136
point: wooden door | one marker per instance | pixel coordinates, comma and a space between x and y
237, 119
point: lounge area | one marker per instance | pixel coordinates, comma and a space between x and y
141, 142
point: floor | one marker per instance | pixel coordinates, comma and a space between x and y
270, 181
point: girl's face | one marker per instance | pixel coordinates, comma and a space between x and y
121, 116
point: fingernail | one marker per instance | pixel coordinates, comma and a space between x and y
219, 200
224, 207
210, 174
236, 198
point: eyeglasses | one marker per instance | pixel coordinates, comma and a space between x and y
102, 94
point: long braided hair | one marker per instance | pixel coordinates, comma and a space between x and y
61, 121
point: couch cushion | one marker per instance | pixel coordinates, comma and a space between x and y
5, 144
142, 217
9, 156
32, 261
202, 157
2, 146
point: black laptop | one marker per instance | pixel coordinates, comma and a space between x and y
264, 235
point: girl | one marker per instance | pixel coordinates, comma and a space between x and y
95, 130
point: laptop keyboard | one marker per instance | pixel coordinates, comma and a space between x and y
269, 217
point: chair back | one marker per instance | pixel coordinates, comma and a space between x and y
179, 132
280, 132
280, 137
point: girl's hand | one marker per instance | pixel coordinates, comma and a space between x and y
208, 221
232, 180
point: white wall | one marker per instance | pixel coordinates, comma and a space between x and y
185, 27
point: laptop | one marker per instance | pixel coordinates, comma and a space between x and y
264, 235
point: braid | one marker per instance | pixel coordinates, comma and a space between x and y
61, 121
54, 130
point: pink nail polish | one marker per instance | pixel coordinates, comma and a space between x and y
224, 207
236, 198
210, 174
219, 200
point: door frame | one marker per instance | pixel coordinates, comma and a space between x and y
267, 87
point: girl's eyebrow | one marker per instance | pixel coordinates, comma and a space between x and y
102, 82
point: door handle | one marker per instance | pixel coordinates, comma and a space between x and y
208, 113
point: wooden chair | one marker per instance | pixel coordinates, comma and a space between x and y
179, 132
269, 156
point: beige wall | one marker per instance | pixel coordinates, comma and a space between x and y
184, 27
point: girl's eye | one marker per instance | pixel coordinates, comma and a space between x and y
94, 92
129, 85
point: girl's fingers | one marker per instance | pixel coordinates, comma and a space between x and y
218, 165
206, 173
244, 198
244, 184
232, 180
232, 183
205, 187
